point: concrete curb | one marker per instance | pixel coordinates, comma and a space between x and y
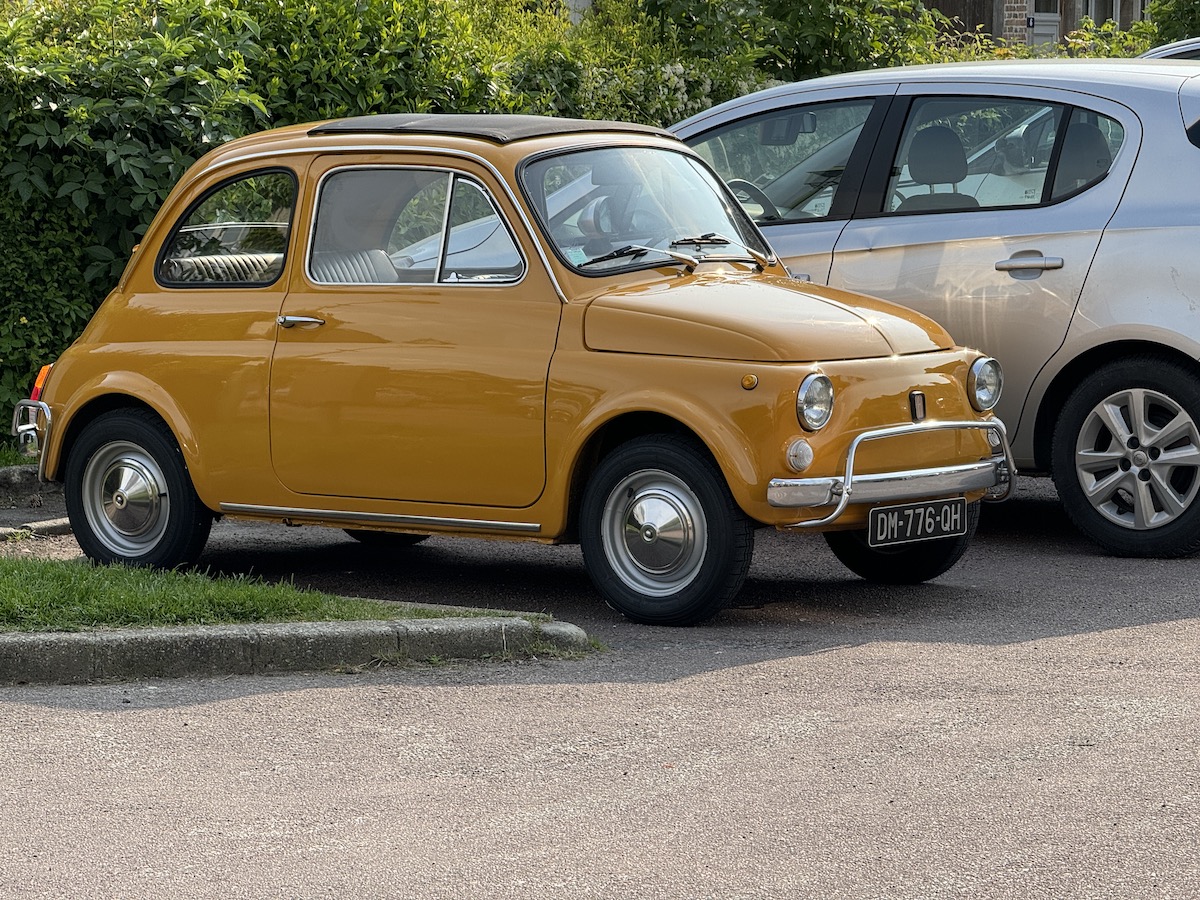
41, 528
208, 651
213, 651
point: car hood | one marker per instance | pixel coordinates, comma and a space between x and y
758, 318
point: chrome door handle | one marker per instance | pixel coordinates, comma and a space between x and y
292, 321
1017, 263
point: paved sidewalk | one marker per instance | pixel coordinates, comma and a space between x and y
213, 651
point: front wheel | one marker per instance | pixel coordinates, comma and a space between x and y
663, 539
903, 563
1126, 458
129, 496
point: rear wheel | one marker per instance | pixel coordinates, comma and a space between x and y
904, 563
129, 496
1126, 458
663, 539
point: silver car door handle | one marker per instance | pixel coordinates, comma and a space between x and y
1029, 262
291, 321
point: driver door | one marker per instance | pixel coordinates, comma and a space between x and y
412, 356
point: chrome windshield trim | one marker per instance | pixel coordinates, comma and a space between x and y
340, 515
26, 431
903, 485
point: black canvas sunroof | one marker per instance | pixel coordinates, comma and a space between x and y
499, 129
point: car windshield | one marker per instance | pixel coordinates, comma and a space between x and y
619, 208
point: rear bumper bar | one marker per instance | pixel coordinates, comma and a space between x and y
30, 417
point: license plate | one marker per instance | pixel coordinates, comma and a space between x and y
888, 525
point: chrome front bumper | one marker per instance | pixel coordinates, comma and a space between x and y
29, 417
888, 487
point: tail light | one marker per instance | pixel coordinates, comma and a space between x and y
40, 382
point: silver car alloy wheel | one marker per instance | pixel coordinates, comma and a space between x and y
1138, 459
125, 498
654, 532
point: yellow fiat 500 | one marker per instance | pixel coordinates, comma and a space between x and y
510, 327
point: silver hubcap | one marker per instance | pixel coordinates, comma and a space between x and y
125, 498
1138, 459
654, 532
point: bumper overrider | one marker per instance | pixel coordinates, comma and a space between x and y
839, 491
30, 417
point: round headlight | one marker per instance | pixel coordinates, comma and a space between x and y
814, 402
985, 383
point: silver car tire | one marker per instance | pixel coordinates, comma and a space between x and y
662, 537
129, 496
1126, 458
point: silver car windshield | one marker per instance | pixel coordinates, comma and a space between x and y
619, 208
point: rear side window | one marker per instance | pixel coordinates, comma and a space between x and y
966, 153
1087, 152
237, 235
958, 154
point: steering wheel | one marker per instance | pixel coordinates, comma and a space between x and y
754, 192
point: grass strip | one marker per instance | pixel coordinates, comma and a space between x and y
50, 595
10, 457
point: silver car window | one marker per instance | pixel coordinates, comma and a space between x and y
794, 156
968, 153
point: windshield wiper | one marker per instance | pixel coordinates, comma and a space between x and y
627, 250
702, 240
712, 238
636, 250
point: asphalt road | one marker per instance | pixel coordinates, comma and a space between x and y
1025, 726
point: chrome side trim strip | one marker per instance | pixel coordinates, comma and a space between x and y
339, 515
1002, 472
25, 422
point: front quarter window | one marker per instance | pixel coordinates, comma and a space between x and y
620, 208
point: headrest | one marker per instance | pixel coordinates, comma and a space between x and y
936, 156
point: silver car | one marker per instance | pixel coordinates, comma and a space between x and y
1188, 48
1047, 213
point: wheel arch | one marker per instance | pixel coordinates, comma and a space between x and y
1070, 376
607, 437
94, 408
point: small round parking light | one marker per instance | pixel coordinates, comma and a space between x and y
814, 402
799, 455
985, 383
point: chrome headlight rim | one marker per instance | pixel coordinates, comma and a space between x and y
985, 384
814, 402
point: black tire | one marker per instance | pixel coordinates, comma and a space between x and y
384, 540
129, 496
905, 563
1126, 480
693, 543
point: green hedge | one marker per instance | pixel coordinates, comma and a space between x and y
104, 104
